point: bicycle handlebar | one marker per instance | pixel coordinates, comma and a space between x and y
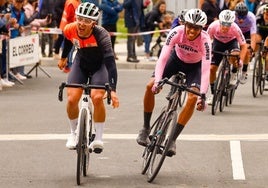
181, 87
86, 88
226, 53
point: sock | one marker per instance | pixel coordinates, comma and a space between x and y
99, 126
178, 130
245, 68
147, 119
73, 125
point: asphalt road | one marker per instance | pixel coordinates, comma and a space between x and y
226, 150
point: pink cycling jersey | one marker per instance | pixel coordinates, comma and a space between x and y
234, 32
188, 51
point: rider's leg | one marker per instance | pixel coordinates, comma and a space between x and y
184, 117
148, 105
99, 116
73, 97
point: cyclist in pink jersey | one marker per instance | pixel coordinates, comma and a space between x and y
186, 49
226, 35
246, 20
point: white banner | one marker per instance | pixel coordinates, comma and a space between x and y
23, 50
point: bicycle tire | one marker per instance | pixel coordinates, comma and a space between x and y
262, 73
147, 153
90, 139
161, 147
217, 91
80, 147
256, 77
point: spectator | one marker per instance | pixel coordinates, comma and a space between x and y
212, 10
59, 7
32, 14
46, 8
110, 10
4, 21
17, 12
134, 20
153, 19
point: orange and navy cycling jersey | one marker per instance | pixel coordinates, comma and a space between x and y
93, 52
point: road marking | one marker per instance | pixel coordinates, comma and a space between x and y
237, 162
186, 137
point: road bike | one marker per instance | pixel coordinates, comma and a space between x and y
85, 130
162, 130
259, 73
223, 91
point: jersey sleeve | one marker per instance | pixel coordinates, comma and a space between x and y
165, 54
206, 61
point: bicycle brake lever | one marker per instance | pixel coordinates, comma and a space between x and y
108, 89
60, 98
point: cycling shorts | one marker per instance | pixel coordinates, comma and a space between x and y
222, 47
79, 75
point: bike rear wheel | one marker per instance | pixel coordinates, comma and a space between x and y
163, 140
82, 155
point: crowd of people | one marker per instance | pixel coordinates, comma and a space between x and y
190, 38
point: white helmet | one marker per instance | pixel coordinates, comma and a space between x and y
227, 17
88, 10
196, 17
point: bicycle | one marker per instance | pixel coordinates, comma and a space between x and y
163, 129
259, 73
85, 129
223, 91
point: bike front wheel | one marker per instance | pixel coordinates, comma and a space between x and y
82, 155
163, 141
256, 79
147, 153
218, 92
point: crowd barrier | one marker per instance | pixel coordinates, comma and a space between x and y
24, 50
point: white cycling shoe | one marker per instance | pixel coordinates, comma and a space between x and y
71, 141
96, 146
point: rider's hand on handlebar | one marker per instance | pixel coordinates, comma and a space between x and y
201, 104
62, 63
156, 89
115, 101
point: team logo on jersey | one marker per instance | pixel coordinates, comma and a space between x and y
76, 43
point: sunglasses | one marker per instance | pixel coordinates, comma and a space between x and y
241, 17
194, 27
226, 24
84, 20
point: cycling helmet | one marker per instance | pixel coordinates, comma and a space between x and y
241, 9
265, 9
182, 15
88, 10
196, 17
227, 17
